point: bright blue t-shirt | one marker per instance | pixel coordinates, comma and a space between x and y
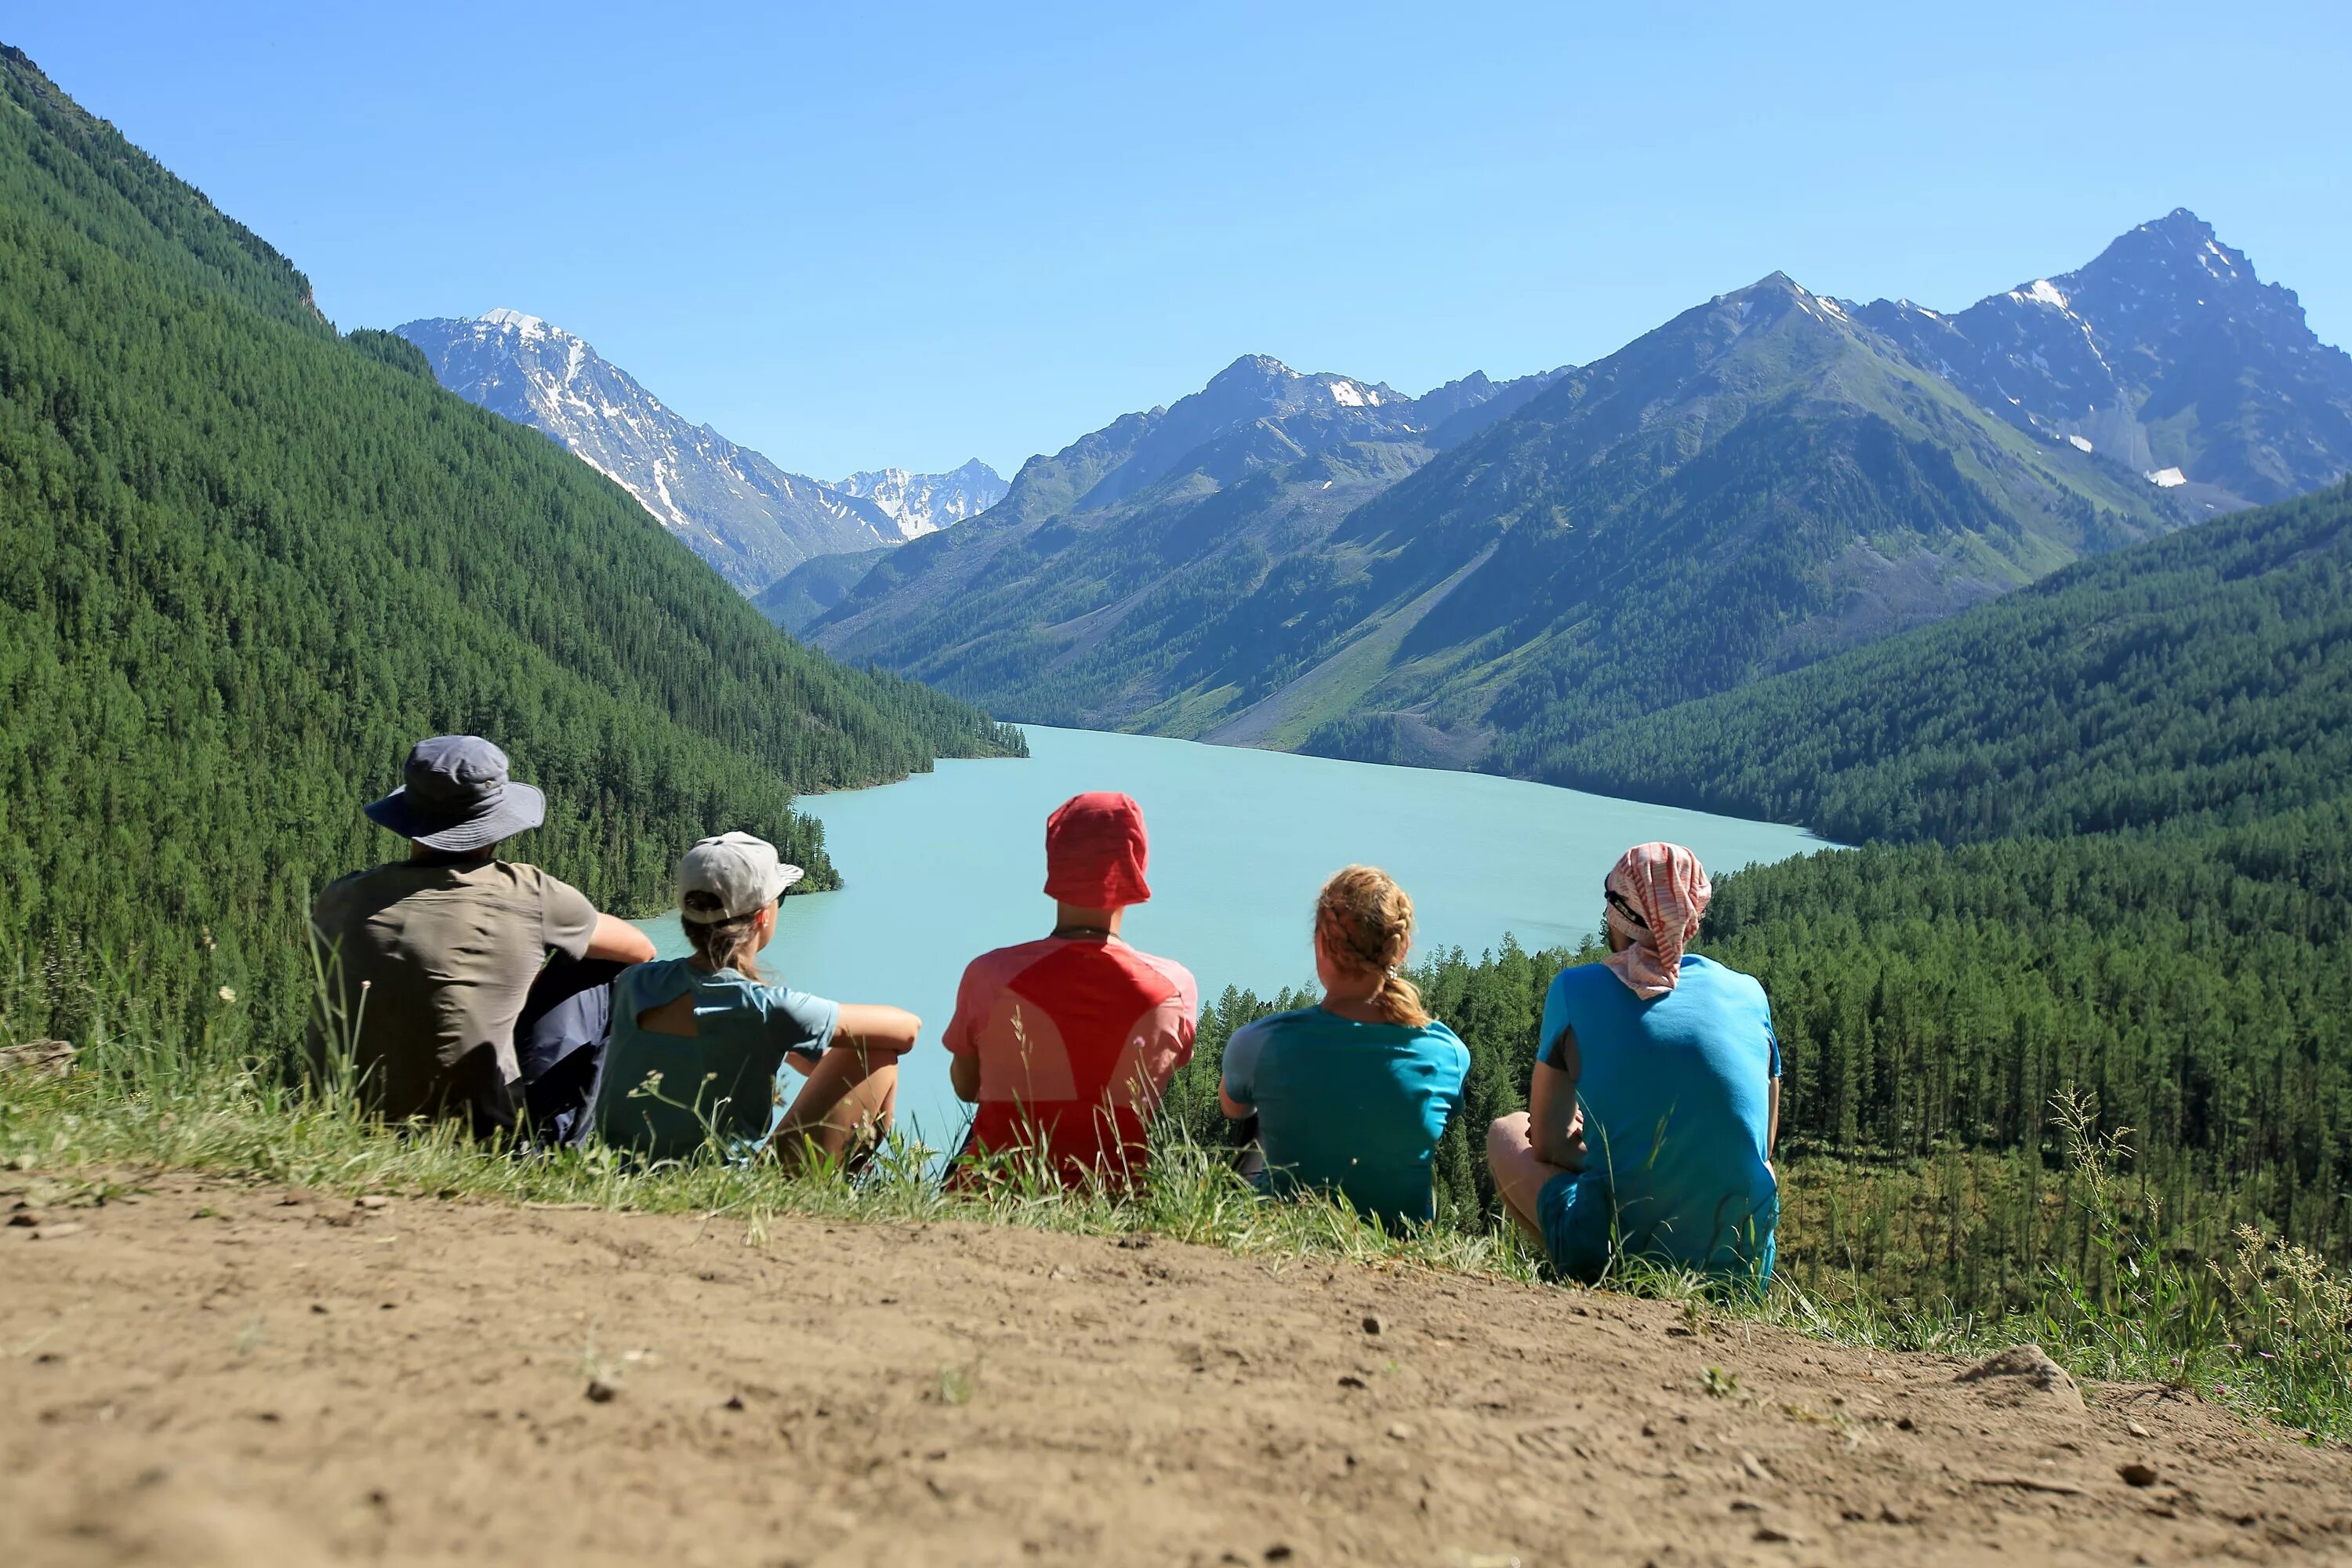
1677, 1093
1350, 1108
722, 1081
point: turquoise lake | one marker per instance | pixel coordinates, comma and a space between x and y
943, 866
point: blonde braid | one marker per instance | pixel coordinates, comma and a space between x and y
1366, 920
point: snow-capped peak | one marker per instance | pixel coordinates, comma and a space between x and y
925, 503
746, 516
528, 326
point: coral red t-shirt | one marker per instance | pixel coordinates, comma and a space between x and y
1077, 1040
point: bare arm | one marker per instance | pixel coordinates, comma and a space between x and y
1772, 1136
963, 1076
1233, 1108
1554, 1122
878, 1034
878, 1028
620, 941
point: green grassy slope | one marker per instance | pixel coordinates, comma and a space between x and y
245, 563
1754, 484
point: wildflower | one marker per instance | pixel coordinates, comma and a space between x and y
228, 992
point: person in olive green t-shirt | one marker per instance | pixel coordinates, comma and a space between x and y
428, 960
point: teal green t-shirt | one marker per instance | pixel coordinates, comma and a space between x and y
1348, 1108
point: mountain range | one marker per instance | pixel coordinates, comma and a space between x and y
737, 510
1486, 573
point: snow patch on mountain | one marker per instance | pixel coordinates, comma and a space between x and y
925, 503
743, 514
2166, 318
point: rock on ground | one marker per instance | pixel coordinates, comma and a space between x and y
2024, 1371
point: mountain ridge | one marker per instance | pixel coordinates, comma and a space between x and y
925, 503
750, 519
1764, 480
2073, 357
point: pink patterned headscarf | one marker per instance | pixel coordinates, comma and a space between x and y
1657, 894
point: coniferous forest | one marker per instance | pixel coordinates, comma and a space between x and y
245, 563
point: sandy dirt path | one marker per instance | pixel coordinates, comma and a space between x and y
218, 1374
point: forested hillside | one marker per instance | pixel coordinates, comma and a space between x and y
802, 595
2115, 821
2206, 675
245, 563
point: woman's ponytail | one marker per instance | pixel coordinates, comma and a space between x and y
723, 944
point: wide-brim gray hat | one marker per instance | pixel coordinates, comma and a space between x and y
456, 796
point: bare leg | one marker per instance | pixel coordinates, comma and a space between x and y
1520, 1175
842, 1112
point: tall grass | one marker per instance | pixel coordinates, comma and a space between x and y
2260, 1325
139, 1104
2119, 1293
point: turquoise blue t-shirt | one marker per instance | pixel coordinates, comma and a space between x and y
1678, 1104
1350, 1108
721, 1079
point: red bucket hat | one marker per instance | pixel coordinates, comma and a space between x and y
1096, 852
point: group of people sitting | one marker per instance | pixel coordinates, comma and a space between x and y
462, 986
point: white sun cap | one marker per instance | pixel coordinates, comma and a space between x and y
740, 870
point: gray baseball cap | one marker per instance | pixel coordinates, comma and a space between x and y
738, 870
455, 794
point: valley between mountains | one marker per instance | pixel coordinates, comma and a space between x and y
1493, 574
2044, 604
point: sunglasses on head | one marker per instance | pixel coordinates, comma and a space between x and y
1619, 902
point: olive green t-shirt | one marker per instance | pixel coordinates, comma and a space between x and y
430, 962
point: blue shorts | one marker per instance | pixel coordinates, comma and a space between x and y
1579, 1220
1575, 1217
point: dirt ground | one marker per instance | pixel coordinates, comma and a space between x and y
217, 1374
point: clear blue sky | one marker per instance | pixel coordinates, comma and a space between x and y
861, 234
